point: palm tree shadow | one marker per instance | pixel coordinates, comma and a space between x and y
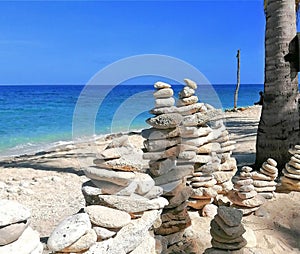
292, 236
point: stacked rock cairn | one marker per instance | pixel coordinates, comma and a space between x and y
263, 181
290, 180
162, 151
16, 235
122, 207
227, 231
244, 197
205, 144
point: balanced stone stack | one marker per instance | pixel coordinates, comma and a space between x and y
264, 182
16, 236
227, 231
162, 147
244, 196
122, 207
290, 180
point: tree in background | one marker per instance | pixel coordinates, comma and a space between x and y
278, 128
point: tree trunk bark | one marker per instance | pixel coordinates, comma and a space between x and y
236, 92
278, 128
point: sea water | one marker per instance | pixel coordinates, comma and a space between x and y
38, 116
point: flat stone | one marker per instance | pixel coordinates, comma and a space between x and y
177, 173
217, 232
118, 142
194, 132
155, 192
180, 194
132, 204
272, 162
165, 121
203, 178
290, 184
228, 165
228, 246
293, 176
295, 159
153, 133
202, 118
292, 170
184, 147
227, 186
173, 222
247, 195
108, 187
103, 233
28, 242
83, 243
253, 202
244, 182
258, 183
69, 231
192, 84
163, 93
111, 153
246, 210
170, 152
191, 109
204, 184
258, 176
186, 92
164, 102
12, 212
102, 247
209, 148
161, 85
187, 155
232, 217
200, 158
269, 168
267, 173
107, 217
264, 189
267, 195
144, 183
246, 188
12, 232
116, 177
171, 185
163, 166
294, 164
160, 144
198, 204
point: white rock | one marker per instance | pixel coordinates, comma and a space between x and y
116, 177
155, 192
147, 246
133, 204
27, 243
12, 212
170, 186
192, 84
69, 231
186, 92
144, 183
83, 243
209, 210
163, 93
107, 217
160, 85
100, 247
164, 102
103, 233
12, 232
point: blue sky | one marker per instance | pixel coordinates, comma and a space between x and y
67, 42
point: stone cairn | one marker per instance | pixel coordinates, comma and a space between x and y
244, 197
205, 144
227, 231
162, 147
16, 235
263, 181
290, 180
122, 207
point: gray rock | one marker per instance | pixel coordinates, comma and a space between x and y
83, 243
200, 119
170, 185
28, 242
232, 217
165, 121
103, 233
116, 177
155, 192
12, 212
132, 204
12, 232
160, 144
69, 231
107, 217
161, 167
144, 183
154, 133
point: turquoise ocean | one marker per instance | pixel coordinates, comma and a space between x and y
36, 117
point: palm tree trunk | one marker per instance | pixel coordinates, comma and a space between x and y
278, 128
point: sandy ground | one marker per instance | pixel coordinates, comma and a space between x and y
49, 183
